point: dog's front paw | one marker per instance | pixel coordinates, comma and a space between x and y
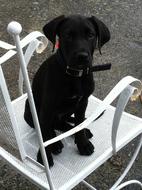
57, 147
49, 158
85, 148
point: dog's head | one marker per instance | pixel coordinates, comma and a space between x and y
78, 37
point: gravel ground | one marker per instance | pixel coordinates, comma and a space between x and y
124, 51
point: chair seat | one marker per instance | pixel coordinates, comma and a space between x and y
70, 167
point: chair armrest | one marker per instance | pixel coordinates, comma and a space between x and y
113, 94
121, 104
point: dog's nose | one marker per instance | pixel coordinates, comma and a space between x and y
83, 56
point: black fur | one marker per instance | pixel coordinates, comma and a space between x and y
57, 94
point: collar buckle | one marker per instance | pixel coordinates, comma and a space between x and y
87, 70
74, 72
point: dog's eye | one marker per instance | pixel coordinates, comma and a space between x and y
68, 36
90, 35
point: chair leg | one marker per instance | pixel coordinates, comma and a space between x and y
130, 164
88, 185
128, 183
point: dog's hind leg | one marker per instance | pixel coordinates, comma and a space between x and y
28, 115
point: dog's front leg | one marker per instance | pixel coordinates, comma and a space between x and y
46, 119
85, 147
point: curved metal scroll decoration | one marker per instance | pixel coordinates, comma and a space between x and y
133, 93
35, 41
43, 42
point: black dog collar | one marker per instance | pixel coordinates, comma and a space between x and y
77, 72
80, 72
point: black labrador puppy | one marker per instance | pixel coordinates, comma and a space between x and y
64, 82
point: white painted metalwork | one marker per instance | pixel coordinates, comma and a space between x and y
11, 112
129, 183
122, 102
88, 185
15, 31
115, 92
69, 168
28, 54
114, 187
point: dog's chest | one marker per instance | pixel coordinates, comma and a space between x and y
84, 86
77, 88
72, 93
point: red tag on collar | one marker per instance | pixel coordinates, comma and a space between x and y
57, 45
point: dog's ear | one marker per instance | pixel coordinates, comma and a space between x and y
51, 29
103, 33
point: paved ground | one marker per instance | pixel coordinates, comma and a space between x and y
124, 51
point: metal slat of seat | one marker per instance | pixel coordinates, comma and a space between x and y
66, 169
7, 136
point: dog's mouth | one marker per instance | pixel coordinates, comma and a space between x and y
78, 69
80, 62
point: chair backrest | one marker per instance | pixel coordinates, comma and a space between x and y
9, 132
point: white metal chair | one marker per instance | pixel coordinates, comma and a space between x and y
20, 143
